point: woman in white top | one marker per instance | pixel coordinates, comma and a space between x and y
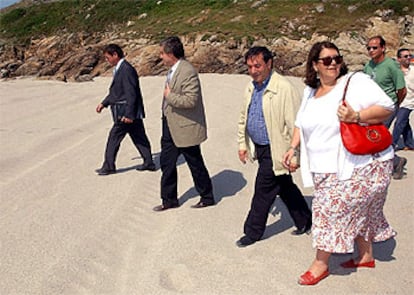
350, 190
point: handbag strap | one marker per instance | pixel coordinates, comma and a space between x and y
346, 88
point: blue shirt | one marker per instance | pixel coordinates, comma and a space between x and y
256, 125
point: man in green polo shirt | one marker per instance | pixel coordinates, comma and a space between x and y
387, 74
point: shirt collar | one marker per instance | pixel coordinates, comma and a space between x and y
264, 84
174, 67
119, 64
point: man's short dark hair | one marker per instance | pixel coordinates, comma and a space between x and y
380, 38
256, 50
401, 50
173, 45
114, 48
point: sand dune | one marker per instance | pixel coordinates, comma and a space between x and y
65, 230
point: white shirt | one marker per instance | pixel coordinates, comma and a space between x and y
408, 101
321, 144
118, 65
173, 69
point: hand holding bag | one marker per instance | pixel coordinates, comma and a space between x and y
364, 139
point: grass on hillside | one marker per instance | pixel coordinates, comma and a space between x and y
224, 18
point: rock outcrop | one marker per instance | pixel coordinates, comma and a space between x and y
78, 57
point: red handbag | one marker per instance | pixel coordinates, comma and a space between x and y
364, 139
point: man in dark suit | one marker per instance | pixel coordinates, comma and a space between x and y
127, 109
183, 127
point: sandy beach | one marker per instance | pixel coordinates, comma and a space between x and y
65, 230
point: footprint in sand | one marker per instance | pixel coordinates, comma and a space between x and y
176, 278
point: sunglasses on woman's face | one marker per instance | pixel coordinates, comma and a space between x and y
327, 61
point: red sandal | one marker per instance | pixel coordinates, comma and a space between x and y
308, 279
351, 264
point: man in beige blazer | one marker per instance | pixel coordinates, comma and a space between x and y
183, 127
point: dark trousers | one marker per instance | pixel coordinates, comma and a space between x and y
391, 118
267, 187
402, 127
137, 133
388, 123
168, 159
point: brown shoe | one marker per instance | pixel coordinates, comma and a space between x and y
398, 172
304, 230
162, 207
103, 171
245, 241
147, 167
201, 205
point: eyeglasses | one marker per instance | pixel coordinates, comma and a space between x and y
327, 61
405, 56
372, 47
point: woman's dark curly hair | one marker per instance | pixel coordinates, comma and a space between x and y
311, 78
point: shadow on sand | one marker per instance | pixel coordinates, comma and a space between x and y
226, 183
285, 221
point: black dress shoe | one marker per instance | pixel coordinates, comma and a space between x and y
201, 205
148, 167
245, 241
162, 207
102, 171
304, 230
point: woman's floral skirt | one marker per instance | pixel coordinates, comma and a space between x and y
344, 210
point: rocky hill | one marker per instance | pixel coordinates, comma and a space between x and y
69, 56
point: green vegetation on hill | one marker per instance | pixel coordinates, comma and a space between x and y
224, 18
